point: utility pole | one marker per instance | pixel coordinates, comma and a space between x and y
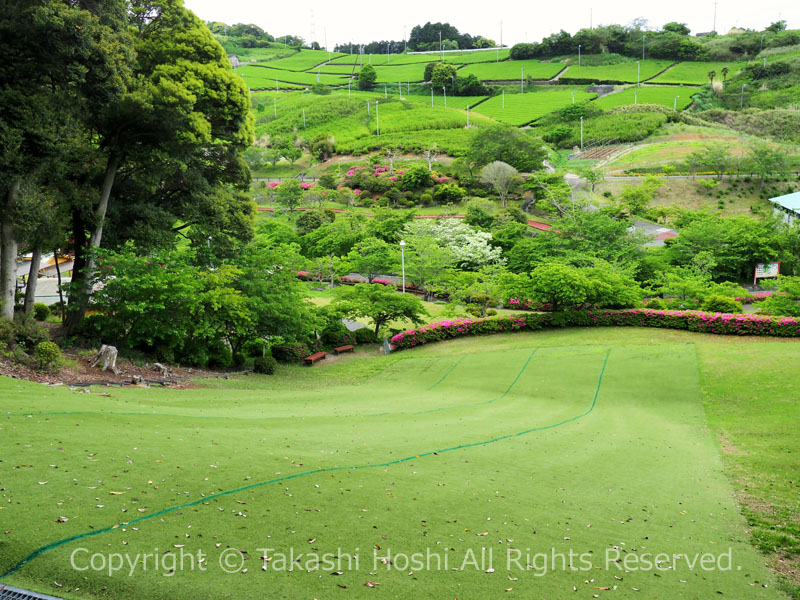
573, 97
579, 55
643, 36
377, 119
304, 118
638, 72
741, 97
441, 49
714, 29
675, 104
444, 91
581, 134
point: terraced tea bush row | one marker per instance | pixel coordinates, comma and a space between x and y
263, 77
661, 95
512, 70
524, 108
618, 73
617, 128
696, 73
305, 59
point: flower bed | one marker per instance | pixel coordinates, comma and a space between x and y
689, 320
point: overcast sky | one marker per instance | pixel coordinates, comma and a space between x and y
346, 20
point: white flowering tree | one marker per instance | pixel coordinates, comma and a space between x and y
469, 247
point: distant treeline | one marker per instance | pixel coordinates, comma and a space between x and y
672, 42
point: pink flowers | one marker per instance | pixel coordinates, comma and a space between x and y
442, 179
689, 320
308, 186
356, 191
273, 184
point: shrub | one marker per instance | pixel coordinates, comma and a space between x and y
266, 365
28, 333
778, 304
41, 311
6, 332
655, 304
290, 353
491, 312
365, 336
336, 334
48, 357
721, 304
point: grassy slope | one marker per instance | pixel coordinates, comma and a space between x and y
641, 472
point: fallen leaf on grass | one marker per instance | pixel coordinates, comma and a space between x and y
371, 584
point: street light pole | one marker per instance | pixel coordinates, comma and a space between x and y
581, 134
377, 119
675, 104
444, 91
579, 55
573, 97
741, 97
403, 262
638, 72
643, 36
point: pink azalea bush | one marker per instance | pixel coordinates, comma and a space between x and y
688, 320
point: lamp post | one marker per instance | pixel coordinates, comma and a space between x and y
638, 71
579, 55
403, 262
741, 97
377, 119
581, 134
444, 91
643, 36
675, 104
573, 97
348, 89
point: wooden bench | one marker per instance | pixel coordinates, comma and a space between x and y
340, 349
310, 360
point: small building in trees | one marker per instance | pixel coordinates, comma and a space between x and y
788, 206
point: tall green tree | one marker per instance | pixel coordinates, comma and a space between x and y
63, 64
378, 303
176, 134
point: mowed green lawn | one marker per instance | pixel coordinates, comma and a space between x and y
482, 455
518, 109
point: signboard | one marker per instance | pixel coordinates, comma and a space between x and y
766, 270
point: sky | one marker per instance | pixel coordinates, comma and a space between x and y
345, 20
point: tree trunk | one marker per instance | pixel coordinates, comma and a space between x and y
60, 292
81, 278
33, 278
8, 254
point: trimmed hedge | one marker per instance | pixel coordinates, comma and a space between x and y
688, 320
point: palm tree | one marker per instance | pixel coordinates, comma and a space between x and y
724, 73
711, 76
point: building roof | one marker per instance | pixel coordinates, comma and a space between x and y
789, 201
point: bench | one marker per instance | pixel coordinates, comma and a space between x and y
310, 360
340, 349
